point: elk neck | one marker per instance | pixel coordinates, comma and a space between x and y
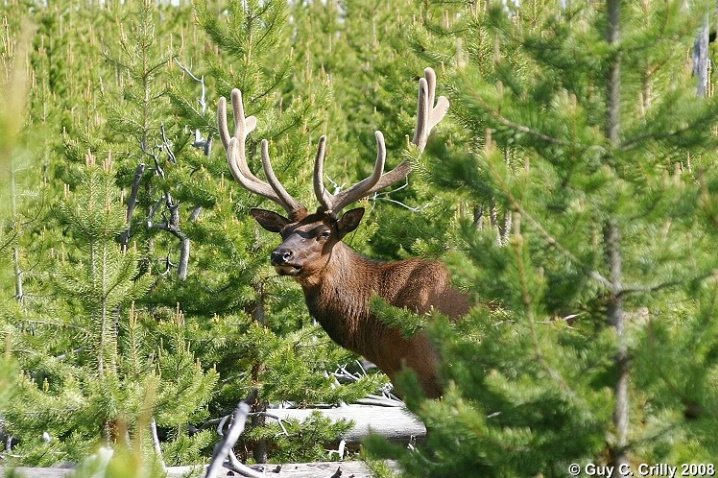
338, 298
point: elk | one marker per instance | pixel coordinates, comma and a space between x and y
337, 282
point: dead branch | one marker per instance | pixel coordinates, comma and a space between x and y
224, 448
131, 203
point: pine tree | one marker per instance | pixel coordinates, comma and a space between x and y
129, 96
14, 48
586, 130
97, 379
288, 366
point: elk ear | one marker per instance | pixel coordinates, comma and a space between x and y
350, 221
269, 220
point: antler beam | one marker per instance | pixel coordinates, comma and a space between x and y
237, 158
428, 116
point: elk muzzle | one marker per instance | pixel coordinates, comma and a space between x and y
282, 258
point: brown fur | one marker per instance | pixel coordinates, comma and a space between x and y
338, 284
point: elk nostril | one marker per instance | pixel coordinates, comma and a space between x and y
281, 256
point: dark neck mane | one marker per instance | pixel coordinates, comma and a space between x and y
339, 299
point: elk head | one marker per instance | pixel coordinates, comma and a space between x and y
307, 242
308, 239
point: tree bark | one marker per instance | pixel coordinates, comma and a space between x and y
612, 244
700, 58
183, 265
617, 319
17, 270
259, 451
393, 423
19, 292
131, 203
613, 37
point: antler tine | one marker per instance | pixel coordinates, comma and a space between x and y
437, 112
237, 158
325, 199
359, 190
284, 196
242, 125
430, 77
252, 185
222, 122
422, 115
428, 116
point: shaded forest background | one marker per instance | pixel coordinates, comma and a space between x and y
572, 192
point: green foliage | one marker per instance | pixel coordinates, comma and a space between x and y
147, 285
532, 373
119, 463
402, 319
100, 378
304, 441
172, 312
8, 373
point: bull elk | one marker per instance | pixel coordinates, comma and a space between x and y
337, 282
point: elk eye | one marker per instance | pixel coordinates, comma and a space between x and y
325, 234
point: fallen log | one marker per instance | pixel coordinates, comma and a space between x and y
392, 423
292, 470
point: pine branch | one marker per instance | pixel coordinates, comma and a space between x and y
550, 239
636, 289
523, 128
699, 122
552, 372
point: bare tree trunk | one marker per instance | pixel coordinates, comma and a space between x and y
259, 451
478, 214
617, 319
612, 243
131, 203
17, 270
700, 58
613, 37
19, 292
182, 267
259, 407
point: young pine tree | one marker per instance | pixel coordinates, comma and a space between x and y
274, 345
596, 341
91, 365
120, 94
